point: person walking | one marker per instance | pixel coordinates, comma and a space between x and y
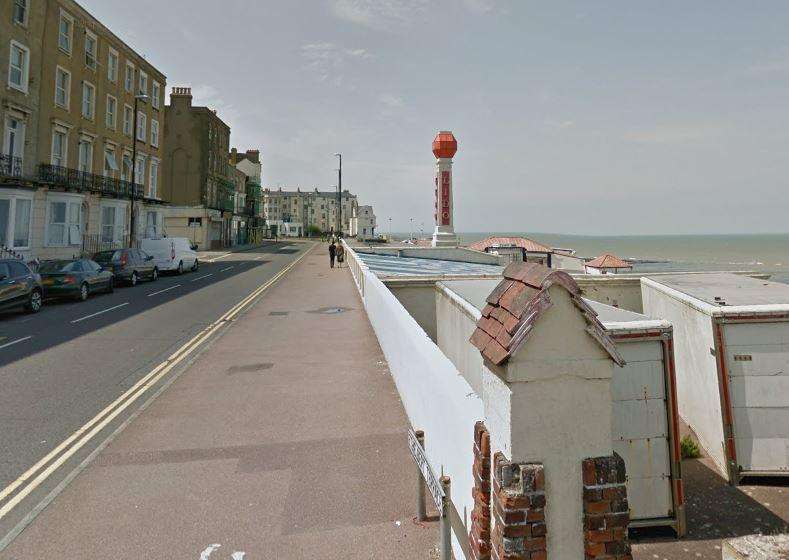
332, 253
340, 254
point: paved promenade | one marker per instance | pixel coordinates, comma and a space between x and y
284, 439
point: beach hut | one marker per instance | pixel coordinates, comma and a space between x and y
732, 355
607, 264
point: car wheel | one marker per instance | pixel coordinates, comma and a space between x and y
155, 275
84, 292
35, 302
134, 278
181, 267
195, 266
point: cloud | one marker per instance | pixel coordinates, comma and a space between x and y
680, 134
204, 94
480, 7
327, 61
391, 101
380, 14
561, 125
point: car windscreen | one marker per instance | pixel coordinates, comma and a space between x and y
107, 256
55, 266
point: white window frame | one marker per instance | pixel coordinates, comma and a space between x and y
111, 122
142, 83
64, 155
85, 141
64, 15
126, 156
139, 170
26, 8
25, 70
153, 178
58, 71
90, 86
154, 135
156, 94
19, 143
105, 171
88, 54
12, 197
118, 230
128, 84
72, 230
112, 71
128, 110
142, 126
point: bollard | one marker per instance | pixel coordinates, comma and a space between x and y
421, 515
446, 520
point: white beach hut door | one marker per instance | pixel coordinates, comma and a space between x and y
640, 428
757, 362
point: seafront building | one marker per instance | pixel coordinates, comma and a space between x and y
363, 223
294, 213
67, 179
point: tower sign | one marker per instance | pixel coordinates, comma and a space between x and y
444, 148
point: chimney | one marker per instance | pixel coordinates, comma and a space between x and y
180, 95
233, 156
253, 156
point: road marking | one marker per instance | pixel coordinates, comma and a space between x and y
219, 257
258, 258
17, 341
165, 290
201, 277
103, 418
207, 552
226, 269
100, 312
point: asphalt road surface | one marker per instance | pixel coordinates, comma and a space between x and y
61, 367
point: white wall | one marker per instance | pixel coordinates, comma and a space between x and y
456, 321
419, 300
698, 394
435, 396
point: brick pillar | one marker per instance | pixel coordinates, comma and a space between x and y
606, 511
518, 502
479, 536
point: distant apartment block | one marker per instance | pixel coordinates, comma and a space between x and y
363, 223
67, 175
297, 212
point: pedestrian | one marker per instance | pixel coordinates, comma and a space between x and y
340, 254
332, 253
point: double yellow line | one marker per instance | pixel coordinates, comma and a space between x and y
29, 480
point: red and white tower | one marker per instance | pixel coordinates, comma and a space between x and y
444, 148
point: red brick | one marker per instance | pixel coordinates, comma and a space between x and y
534, 544
597, 507
603, 536
535, 515
539, 555
590, 477
595, 549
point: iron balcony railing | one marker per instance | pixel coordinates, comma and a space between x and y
10, 166
84, 181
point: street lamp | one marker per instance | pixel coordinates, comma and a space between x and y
411, 232
137, 98
339, 197
390, 230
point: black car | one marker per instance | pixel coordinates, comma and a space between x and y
128, 265
19, 286
74, 278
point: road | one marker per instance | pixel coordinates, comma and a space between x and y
60, 368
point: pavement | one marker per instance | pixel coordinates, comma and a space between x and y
286, 438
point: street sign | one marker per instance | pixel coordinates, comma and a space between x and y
432, 483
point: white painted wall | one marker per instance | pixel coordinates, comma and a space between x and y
698, 394
419, 300
435, 396
456, 321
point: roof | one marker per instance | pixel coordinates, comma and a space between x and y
725, 289
516, 304
391, 265
522, 242
607, 260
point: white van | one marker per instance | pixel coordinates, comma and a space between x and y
172, 254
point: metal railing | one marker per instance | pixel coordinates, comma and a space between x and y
10, 166
84, 181
93, 243
6, 253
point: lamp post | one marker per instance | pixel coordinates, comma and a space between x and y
339, 197
137, 99
411, 231
390, 230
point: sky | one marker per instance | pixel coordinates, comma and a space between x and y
608, 118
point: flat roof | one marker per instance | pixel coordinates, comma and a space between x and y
476, 292
391, 265
732, 289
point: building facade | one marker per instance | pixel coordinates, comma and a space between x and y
363, 223
198, 180
67, 179
296, 213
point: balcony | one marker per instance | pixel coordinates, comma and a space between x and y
10, 166
83, 181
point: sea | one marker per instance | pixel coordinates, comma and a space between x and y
767, 253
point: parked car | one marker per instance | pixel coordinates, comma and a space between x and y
173, 254
19, 286
74, 278
128, 265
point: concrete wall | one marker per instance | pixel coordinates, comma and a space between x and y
624, 292
698, 395
435, 396
419, 299
455, 254
456, 321
567, 262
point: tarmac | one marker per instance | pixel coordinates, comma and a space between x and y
286, 438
